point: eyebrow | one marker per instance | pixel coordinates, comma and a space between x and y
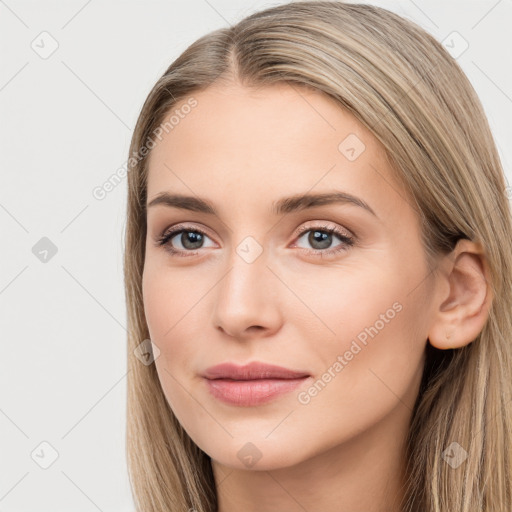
284, 205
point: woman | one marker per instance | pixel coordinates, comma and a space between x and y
318, 271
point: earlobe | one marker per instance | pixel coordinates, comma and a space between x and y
465, 296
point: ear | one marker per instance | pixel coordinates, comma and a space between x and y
463, 297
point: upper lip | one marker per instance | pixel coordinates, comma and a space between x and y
252, 371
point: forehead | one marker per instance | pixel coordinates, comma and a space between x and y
245, 143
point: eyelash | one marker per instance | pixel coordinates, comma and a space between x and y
347, 241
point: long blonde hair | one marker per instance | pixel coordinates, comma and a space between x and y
402, 85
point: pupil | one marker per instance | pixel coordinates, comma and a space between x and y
323, 239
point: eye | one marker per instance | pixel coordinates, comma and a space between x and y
186, 241
321, 238
190, 240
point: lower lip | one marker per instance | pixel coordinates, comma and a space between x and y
251, 392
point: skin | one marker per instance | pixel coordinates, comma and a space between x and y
241, 149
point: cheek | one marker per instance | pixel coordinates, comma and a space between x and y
177, 304
340, 304
170, 313
363, 329
155, 296
169, 297
168, 310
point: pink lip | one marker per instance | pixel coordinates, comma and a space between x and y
252, 384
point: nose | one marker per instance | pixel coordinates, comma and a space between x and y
247, 301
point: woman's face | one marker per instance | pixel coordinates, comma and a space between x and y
259, 277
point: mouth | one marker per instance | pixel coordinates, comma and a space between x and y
252, 384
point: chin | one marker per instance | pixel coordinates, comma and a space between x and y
257, 455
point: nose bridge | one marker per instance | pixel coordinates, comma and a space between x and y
246, 295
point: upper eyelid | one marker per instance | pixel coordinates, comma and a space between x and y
328, 227
175, 229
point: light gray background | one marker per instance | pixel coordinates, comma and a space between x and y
66, 122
